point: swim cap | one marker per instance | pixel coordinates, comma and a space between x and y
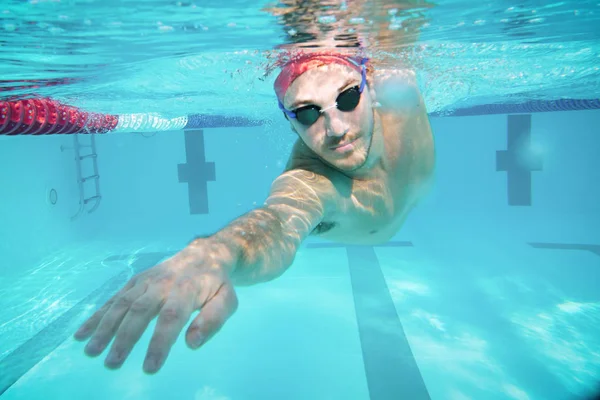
305, 61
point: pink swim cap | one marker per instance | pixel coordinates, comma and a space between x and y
305, 61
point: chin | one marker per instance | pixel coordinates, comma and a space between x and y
350, 162
357, 158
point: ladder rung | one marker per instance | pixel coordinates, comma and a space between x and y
85, 201
93, 155
90, 177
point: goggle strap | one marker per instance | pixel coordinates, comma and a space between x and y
364, 78
287, 112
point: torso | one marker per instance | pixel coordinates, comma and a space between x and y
380, 204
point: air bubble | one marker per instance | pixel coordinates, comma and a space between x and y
327, 19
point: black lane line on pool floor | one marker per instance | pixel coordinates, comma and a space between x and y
594, 248
392, 371
26, 356
390, 366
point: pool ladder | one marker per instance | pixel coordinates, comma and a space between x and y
90, 154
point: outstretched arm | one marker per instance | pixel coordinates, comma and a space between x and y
261, 245
256, 247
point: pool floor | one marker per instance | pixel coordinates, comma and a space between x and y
424, 319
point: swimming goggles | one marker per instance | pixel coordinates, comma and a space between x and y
346, 101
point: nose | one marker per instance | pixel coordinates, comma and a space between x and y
335, 124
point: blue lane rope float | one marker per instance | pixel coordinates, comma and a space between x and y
534, 106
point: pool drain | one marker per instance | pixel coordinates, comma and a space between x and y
52, 196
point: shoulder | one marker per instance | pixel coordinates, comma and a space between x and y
394, 76
397, 89
308, 194
303, 161
303, 158
306, 176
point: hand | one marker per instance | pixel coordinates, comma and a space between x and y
172, 290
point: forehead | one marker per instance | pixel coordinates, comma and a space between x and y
320, 84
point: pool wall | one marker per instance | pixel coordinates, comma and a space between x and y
532, 176
520, 178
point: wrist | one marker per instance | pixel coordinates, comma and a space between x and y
212, 253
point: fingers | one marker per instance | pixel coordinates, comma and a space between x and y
127, 315
171, 319
89, 326
111, 320
212, 316
135, 322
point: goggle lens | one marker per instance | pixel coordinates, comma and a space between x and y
346, 101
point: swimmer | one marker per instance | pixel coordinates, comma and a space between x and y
363, 158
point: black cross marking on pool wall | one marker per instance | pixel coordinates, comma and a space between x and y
512, 161
196, 172
391, 369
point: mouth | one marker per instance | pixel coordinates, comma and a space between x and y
344, 147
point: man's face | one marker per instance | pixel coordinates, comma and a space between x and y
341, 138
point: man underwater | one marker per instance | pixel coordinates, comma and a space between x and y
363, 158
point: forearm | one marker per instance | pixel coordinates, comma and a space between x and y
253, 248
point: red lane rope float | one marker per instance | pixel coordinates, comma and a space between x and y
49, 117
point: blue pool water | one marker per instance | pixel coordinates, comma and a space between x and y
490, 290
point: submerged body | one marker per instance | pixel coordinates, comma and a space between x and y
379, 203
363, 158
370, 185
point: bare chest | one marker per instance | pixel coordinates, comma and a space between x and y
375, 212
379, 206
